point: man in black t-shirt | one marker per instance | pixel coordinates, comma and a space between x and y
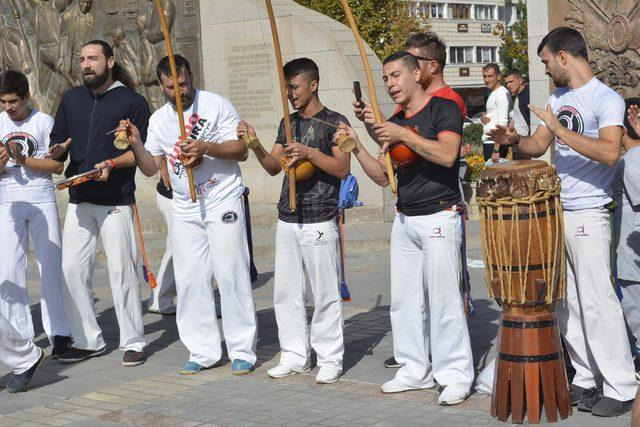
427, 314
307, 240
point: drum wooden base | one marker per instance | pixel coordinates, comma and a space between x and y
530, 371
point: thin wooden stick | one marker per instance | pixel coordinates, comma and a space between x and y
319, 120
145, 259
285, 102
176, 93
372, 89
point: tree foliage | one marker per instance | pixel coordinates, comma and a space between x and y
383, 24
514, 49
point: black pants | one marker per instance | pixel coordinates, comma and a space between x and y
487, 151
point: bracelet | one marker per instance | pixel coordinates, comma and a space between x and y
111, 163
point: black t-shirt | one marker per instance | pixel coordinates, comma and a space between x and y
424, 187
317, 197
523, 105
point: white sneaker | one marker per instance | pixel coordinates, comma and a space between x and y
281, 371
396, 386
451, 396
328, 375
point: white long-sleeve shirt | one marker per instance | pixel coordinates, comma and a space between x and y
497, 111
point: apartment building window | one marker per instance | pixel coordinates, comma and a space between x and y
484, 12
485, 54
417, 9
461, 55
436, 10
459, 11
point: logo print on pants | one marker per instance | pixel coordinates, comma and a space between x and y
319, 240
229, 217
580, 232
436, 233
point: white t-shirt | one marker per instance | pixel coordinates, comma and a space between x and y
497, 110
585, 183
211, 118
17, 183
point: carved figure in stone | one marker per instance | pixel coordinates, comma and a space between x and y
13, 49
52, 81
154, 34
147, 60
612, 31
125, 54
77, 29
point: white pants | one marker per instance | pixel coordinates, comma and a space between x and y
16, 351
16, 221
312, 248
631, 309
165, 291
427, 312
591, 319
83, 224
214, 245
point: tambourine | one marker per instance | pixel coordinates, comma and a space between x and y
76, 179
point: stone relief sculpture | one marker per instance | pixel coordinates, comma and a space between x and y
147, 60
154, 34
77, 29
42, 38
126, 56
612, 32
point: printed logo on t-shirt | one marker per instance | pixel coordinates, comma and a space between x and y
27, 143
194, 128
571, 119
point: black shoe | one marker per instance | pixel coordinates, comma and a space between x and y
60, 346
78, 354
575, 393
589, 398
608, 407
391, 363
20, 382
133, 358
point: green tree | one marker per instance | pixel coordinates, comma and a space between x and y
514, 50
383, 24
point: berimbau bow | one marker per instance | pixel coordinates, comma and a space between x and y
176, 93
285, 102
372, 89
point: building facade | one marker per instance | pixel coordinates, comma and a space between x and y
467, 29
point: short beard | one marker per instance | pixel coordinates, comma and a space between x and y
96, 81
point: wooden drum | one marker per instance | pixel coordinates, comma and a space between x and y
524, 254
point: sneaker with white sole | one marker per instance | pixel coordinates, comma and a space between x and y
451, 396
328, 374
282, 371
397, 386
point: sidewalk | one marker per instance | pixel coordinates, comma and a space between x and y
101, 391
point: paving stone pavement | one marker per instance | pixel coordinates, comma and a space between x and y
101, 391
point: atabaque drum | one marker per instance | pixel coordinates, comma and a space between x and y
522, 237
522, 232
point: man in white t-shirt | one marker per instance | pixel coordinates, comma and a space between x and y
208, 236
584, 117
27, 203
497, 107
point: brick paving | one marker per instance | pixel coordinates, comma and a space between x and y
101, 391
